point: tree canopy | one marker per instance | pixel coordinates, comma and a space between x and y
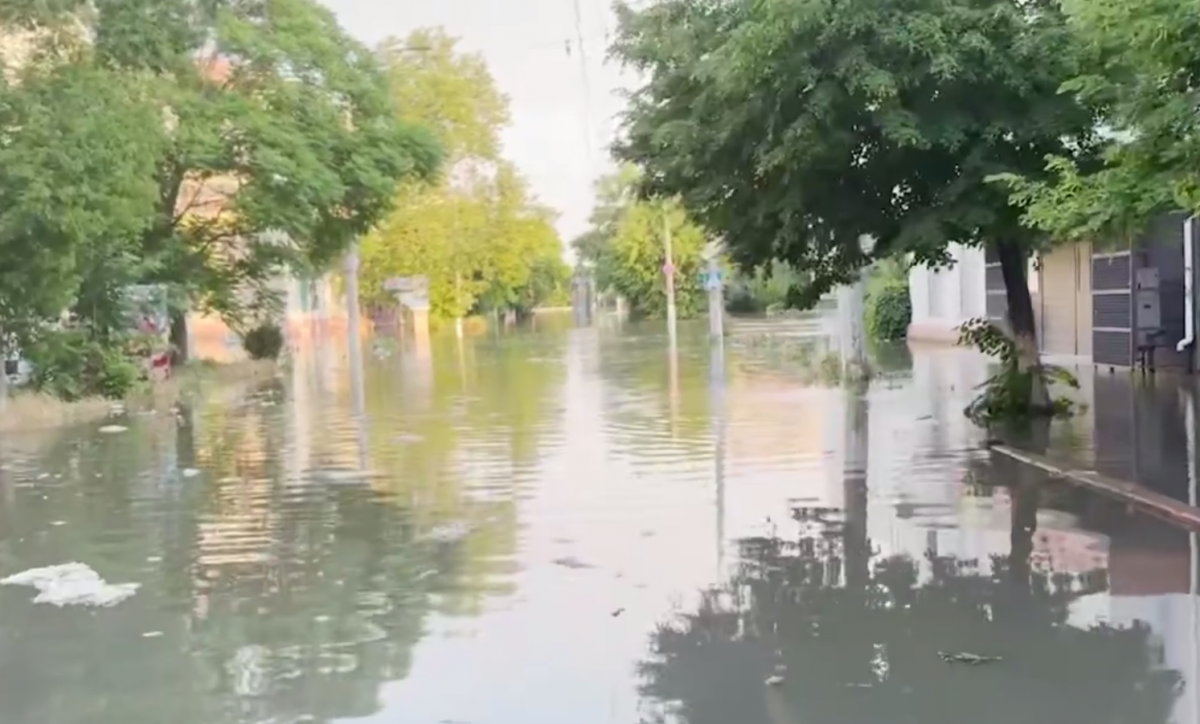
246, 118
475, 230
794, 127
1140, 80
77, 167
625, 247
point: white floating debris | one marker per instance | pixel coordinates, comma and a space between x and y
43, 476
571, 562
190, 472
111, 429
775, 680
449, 532
152, 634
71, 584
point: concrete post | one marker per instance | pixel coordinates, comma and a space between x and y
669, 272
852, 321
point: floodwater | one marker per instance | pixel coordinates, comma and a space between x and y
575, 525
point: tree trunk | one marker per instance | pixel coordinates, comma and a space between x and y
180, 350
1021, 321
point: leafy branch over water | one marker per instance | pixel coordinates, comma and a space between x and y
1005, 395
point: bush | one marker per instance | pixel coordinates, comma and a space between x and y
1005, 399
72, 364
264, 341
765, 289
889, 311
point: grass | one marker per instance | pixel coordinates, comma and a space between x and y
29, 411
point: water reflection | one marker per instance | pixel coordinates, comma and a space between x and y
853, 649
491, 530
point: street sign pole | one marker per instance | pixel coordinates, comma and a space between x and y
716, 297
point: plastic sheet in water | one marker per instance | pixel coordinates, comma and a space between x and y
71, 584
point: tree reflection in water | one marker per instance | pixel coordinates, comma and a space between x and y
868, 652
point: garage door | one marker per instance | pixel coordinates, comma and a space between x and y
1066, 289
1083, 300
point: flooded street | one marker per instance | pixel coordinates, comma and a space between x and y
574, 526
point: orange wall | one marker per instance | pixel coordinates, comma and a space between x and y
212, 339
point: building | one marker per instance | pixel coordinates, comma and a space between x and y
1118, 305
942, 299
311, 305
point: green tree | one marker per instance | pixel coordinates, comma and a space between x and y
1141, 82
475, 230
271, 119
625, 246
77, 190
796, 128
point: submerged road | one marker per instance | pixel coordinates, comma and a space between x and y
572, 525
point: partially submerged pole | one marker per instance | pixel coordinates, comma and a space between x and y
714, 283
669, 274
852, 319
352, 331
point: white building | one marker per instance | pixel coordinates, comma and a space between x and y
945, 298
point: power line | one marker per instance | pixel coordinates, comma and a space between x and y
587, 86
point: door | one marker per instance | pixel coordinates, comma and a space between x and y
1083, 299
1059, 298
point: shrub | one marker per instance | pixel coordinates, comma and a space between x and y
889, 310
264, 341
72, 364
1005, 396
764, 289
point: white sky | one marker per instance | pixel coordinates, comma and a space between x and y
524, 42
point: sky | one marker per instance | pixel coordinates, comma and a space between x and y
560, 125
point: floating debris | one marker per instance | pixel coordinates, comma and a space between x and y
408, 437
189, 472
449, 532
71, 584
774, 680
152, 634
966, 658
112, 429
618, 612
571, 562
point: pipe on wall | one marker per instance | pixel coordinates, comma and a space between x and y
1189, 293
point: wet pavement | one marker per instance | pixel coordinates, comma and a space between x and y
573, 525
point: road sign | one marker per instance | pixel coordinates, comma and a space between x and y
713, 280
